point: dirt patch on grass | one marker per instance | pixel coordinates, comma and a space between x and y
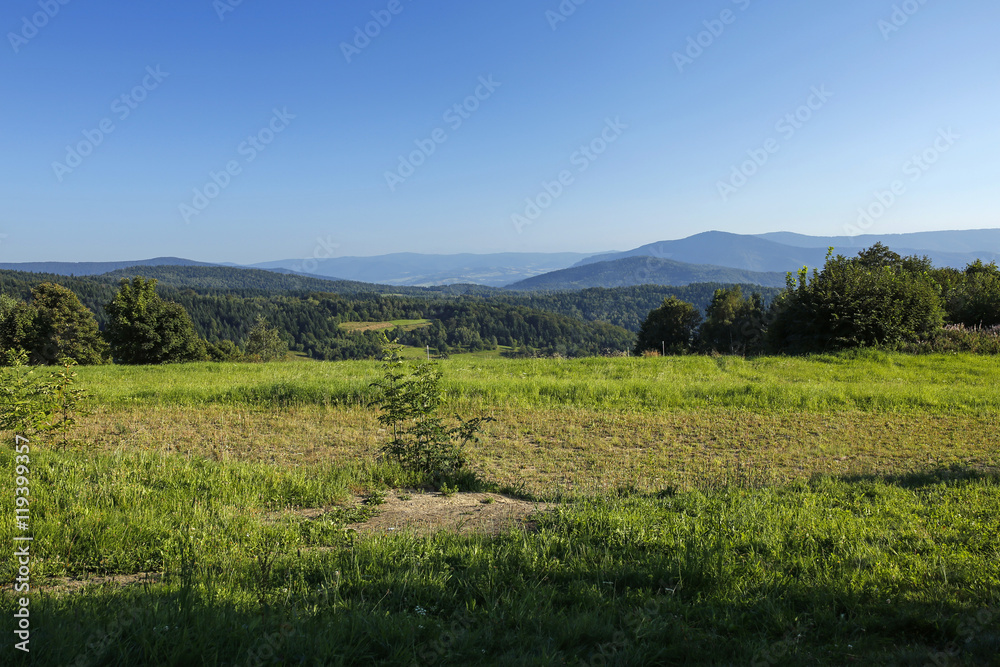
424, 513
75, 584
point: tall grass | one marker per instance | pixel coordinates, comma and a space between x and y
866, 381
630, 567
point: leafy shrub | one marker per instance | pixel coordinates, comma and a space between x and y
410, 399
30, 404
145, 329
972, 296
876, 299
958, 338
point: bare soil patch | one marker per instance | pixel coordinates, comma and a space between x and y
74, 584
425, 513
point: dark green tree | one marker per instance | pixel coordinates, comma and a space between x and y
64, 328
671, 327
17, 324
55, 325
145, 329
733, 323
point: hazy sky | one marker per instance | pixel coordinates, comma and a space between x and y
261, 130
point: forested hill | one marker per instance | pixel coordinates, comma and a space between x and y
95, 268
644, 271
95, 291
224, 303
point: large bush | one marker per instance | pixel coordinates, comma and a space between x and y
145, 329
875, 299
972, 297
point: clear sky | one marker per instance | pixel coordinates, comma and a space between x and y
667, 98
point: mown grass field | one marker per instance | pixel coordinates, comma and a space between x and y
407, 325
780, 511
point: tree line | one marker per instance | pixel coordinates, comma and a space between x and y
142, 328
876, 299
139, 324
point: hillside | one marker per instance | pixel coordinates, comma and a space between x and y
95, 268
644, 271
415, 269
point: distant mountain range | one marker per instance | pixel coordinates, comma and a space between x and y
964, 242
417, 270
786, 251
723, 257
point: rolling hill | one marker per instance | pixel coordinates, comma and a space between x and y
644, 270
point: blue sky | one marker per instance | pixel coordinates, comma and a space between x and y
660, 120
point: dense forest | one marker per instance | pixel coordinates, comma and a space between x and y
224, 304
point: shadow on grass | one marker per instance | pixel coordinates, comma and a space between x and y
379, 624
912, 480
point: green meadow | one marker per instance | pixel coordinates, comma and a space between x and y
828, 510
